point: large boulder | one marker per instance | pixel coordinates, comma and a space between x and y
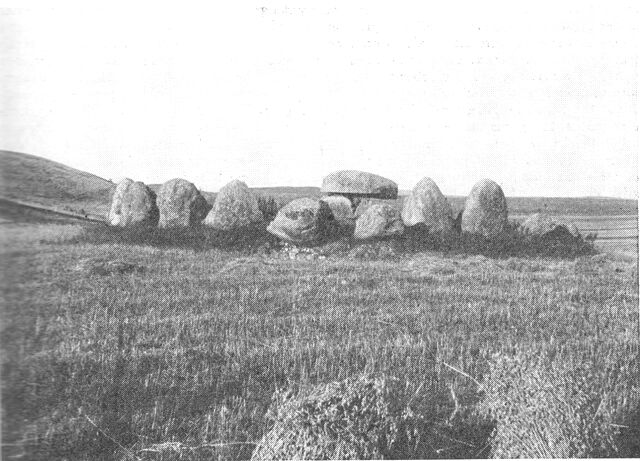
549, 228
379, 220
426, 205
539, 224
302, 221
181, 204
133, 203
485, 210
341, 209
353, 183
236, 206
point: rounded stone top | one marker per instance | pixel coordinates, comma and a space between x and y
486, 187
539, 224
427, 205
132, 203
485, 210
301, 221
181, 204
178, 183
236, 206
487, 194
361, 183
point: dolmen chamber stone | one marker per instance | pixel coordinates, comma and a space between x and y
353, 183
427, 206
485, 210
377, 221
181, 204
133, 203
341, 209
235, 207
302, 221
366, 203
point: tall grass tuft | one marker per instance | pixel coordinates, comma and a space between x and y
364, 417
512, 243
180, 361
549, 407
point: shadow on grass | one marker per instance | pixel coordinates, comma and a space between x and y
512, 243
202, 237
628, 436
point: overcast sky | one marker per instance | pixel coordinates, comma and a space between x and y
541, 97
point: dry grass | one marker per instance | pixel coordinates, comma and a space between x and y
547, 405
181, 360
363, 417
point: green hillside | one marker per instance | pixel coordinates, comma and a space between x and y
35, 180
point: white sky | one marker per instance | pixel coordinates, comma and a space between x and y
541, 97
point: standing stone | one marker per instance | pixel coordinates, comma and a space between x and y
236, 206
427, 205
133, 203
485, 210
341, 209
353, 183
379, 220
181, 204
302, 221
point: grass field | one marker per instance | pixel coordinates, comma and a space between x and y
179, 358
180, 361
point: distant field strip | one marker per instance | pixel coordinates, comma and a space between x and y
622, 217
627, 218
614, 233
609, 227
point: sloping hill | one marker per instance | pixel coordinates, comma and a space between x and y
33, 180
27, 181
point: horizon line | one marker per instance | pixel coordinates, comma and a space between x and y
400, 191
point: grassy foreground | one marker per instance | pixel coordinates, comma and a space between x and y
180, 361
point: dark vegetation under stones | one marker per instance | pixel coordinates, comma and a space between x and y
479, 342
514, 242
